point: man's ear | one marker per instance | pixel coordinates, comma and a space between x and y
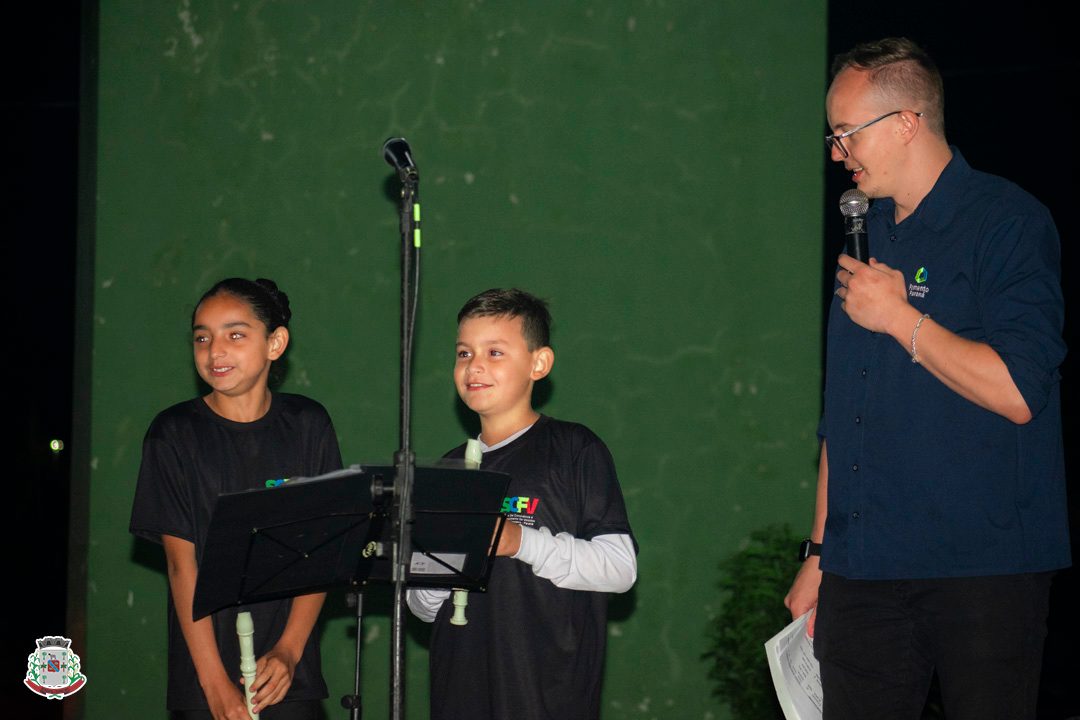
543, 360
278, 341
910, 124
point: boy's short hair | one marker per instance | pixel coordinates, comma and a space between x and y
512, 303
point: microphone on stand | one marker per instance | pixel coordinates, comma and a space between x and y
853, 206
398, 154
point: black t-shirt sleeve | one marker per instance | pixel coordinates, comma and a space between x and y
603, 511
329, 453
163, 500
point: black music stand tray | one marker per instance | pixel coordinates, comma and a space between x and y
272, 543
455, 511
311, 534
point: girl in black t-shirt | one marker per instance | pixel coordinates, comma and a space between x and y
236, 437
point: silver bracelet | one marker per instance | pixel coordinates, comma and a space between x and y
914, 333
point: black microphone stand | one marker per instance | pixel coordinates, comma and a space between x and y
404, 459
396, 152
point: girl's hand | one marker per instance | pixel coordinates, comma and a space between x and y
225, 700
273, 677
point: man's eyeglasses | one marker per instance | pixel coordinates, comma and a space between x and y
832, 141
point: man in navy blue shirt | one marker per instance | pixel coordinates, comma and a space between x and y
941, 508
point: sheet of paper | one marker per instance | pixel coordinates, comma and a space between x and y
423, 565
795, 672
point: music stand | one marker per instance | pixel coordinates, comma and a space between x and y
311, 534
455, 511
272, 543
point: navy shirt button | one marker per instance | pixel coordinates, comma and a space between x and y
864, 372
855, 467
855, 515
858, 419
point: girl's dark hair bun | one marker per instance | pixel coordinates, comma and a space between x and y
268, 303
281, 299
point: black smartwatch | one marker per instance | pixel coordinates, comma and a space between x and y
807, 548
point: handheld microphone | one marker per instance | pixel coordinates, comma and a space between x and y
853, 206
398, 154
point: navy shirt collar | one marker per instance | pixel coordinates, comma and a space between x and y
939, 207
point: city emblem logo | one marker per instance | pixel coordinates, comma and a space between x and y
920, 275
52, 671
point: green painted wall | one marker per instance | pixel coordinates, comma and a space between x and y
653, 168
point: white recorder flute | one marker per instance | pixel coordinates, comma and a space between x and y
245, 630
473, 456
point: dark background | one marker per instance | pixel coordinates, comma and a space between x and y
1010, 82
41, 152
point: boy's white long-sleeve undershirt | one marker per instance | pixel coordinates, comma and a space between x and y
606, 563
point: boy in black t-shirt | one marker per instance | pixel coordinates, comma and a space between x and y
534, 643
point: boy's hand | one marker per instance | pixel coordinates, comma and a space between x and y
225, 700
273, 678
510, 540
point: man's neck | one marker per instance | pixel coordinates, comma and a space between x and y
925, 171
